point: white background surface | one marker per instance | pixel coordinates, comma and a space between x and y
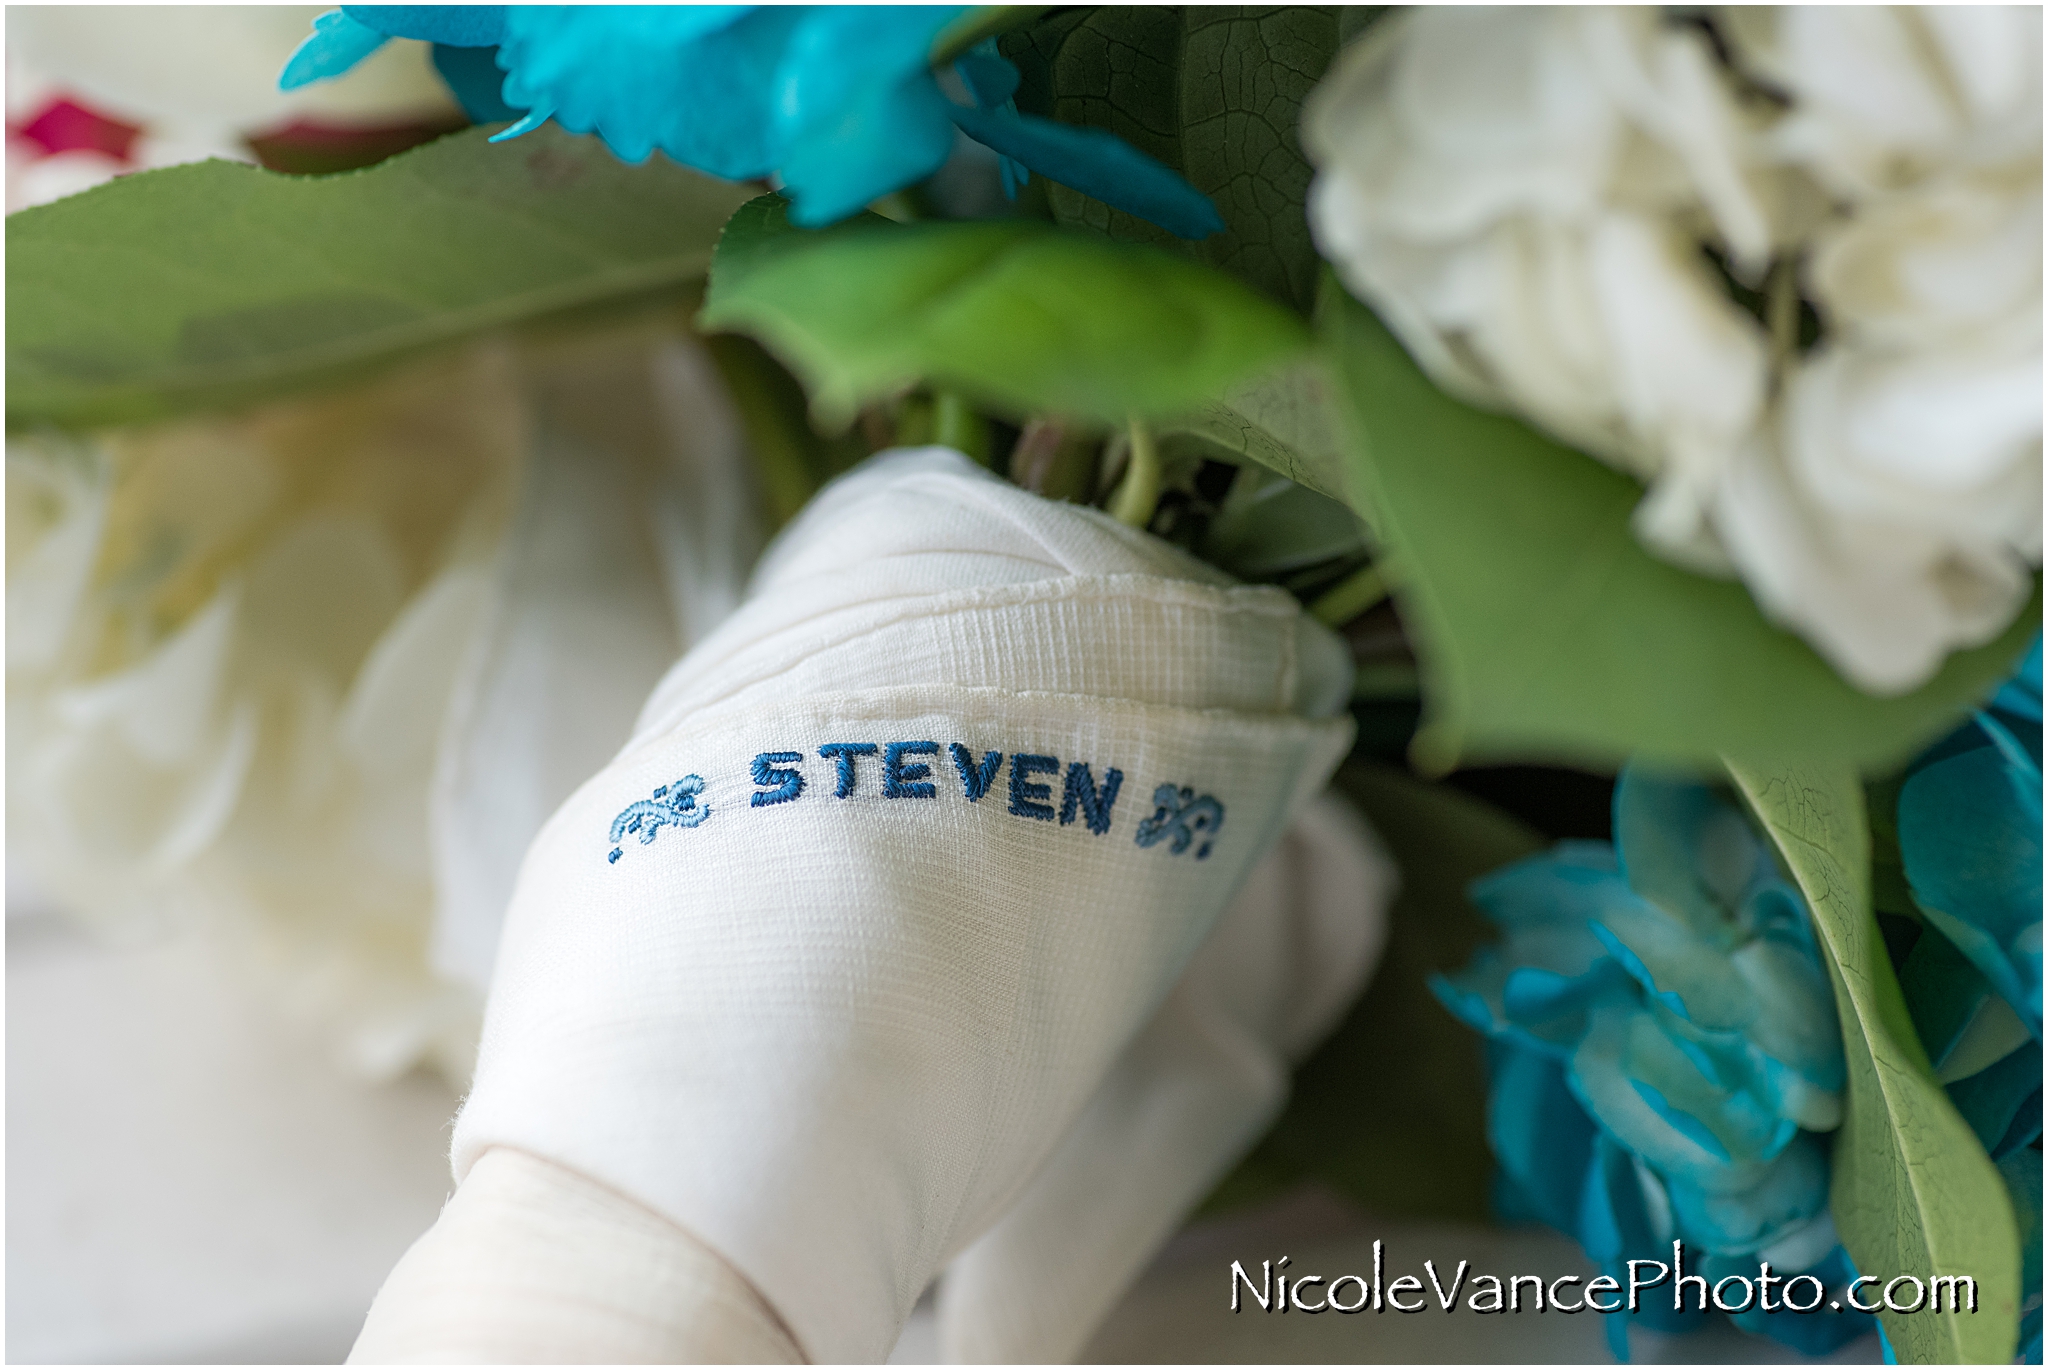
191, 1179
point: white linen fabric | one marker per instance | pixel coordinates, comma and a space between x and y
899, 860
531, 1264
1190, 1094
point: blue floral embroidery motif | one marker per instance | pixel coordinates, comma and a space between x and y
673, 806
1181, 818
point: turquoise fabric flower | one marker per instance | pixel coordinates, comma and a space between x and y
1970, 834
840, 102
1969, 830
1664, 1051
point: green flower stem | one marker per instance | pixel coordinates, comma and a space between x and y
955, 424
916, 423
1055, 460
1138, 494
1381, 681
1350, 597
787, 463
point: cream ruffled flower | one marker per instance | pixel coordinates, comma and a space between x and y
316, 675
1542, 203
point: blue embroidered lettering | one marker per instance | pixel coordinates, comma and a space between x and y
908, 782
773, 772
1028, 798
1083, 796
1180, 819
975, 780
844, 753
673, 806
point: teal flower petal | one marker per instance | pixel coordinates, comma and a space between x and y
1970, 835
693, 81
1540, 1135
1810, 1334
842, 54
1540, 1006
992, 82
1795, 1021
1686, 850
892, 136
1674, 966
1791, 1191
336, 45
1944, 993
1572, 884
991, 78
1096, 163
2002, 1102
457, 26
1653, 1098
2021, 696
1626, 1215
473, 78
839, 101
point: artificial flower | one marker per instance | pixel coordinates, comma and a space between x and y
1970, 835
1665, 1047
839, 102
316, 675
1558, 210
1891, 97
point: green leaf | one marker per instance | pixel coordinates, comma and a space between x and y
1213, 91
1391, 1110
1285, 421
219, 283
1269, 527
1913, 1191
1546, 631
1021, 316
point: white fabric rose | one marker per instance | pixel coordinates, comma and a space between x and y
1506, 187
1528, 197
316, 675
1907, 446
1885, 97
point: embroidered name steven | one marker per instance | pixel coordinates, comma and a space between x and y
916, 770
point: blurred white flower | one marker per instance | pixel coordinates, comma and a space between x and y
1530, 198
1507, 188
316, 675
97, 90
1885, 97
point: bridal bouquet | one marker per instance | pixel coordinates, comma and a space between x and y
1650, 397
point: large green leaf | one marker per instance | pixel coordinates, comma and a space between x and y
1023, 316
1391, 1109
1546, 630
1284, 420
1213, 91
1913, 1192
217, 282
